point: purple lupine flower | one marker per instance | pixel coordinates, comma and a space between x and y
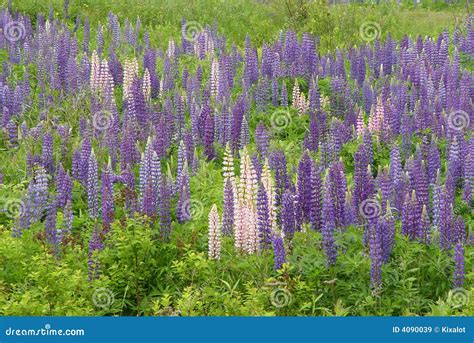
288, 215
263, 218
329, 224
376, 254
278, 164
93, 187
107, 198
47, 158
458, 230
244, 134
12, 130
68, 218
228, 215
434, 162
454, 161
279, 252
209, 149
261, 140
458, 265
445, 213
284, 96
38, 194
85, 154
63, 187
183, 212
410, 216
350, 214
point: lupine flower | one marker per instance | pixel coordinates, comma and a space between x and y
261, 139
228, 215
278, 252
458, 265
93, 187
107, 198
376, 258
329, 224
214, 234
288, 222
263, 218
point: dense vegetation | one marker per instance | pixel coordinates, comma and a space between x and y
236, 158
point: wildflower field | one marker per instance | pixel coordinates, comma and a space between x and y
236, 157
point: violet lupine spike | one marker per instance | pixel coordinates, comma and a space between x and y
288, 224
261, 140
350, 214
329, 224
47, 157
229, 201
263, 219
183, 212
376, 255
93, 186
68, 219
459, 265
278, 252
458, 230
37, 194
209, 149
63, 187
107, 198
